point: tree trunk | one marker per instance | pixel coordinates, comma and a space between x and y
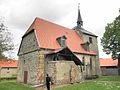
119, 64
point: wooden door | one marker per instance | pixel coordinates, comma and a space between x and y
25, 76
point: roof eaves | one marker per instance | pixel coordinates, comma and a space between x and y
84, 31
19, 47
94, 54
27, 33
90, 34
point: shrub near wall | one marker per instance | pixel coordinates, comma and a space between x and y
8, 78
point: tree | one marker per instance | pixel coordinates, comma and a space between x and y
6, 43
111, 40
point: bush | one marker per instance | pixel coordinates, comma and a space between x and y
8, 78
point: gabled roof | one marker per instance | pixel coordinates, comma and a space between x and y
8, 63
108, 62
48, 32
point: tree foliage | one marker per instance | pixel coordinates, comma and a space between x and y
111, 38
6, 43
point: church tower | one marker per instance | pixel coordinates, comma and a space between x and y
79, 20
89, 39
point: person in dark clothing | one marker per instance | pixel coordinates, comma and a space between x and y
48, 80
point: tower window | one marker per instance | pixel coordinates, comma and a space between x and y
90, 39
86, 46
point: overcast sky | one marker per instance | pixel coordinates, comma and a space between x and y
19, 14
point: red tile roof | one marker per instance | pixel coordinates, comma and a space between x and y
47, 33
108, 62
8, 63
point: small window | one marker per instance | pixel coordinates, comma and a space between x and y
83, 60
90, 39
90, 63
24, 61
7, 68
63, 42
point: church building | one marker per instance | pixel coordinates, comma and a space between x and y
67, 55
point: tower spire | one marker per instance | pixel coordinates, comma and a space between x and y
79, 20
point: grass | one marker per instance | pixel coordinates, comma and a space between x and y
13, 85
103, 83
109, 78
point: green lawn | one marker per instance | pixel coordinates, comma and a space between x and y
109, 78
103, 83
13, 85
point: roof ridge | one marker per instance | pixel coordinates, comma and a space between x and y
53, 23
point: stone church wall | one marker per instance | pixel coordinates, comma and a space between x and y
94, 47
87, 70
29, 62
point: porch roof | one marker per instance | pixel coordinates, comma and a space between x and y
67, 53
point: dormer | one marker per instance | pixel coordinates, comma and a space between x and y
62, 41
86, 46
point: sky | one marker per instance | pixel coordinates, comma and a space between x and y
19, 14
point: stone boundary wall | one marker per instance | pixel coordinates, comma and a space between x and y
64, 72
